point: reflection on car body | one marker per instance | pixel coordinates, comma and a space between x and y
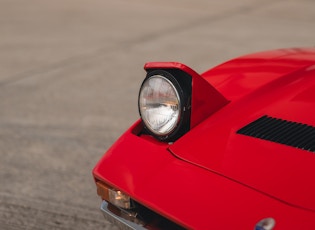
232, 148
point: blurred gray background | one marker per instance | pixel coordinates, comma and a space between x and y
70, 71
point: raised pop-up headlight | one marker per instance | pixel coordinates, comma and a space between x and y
161, 104
174, 99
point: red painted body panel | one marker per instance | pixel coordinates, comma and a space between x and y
284, 89
213, 178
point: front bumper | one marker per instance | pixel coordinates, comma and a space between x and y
187, 194
120, 217
138, 218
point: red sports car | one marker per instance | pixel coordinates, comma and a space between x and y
232, 148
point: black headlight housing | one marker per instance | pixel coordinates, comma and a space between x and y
173, 99
165, 103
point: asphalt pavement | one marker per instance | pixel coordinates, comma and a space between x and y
70, 72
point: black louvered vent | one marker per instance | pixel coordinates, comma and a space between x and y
290, 133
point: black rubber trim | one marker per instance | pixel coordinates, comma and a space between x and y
281, 131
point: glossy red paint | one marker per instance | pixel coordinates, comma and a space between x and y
213, 178
281, 87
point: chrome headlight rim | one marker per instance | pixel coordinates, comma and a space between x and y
178, 126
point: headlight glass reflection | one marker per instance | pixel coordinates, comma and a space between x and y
159, 105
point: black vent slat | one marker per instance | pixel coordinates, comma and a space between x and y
306, 137
255, 124
281, 131
309, 142
278, 132
276, 125
261, 124
301, 132
291, 132
261, 132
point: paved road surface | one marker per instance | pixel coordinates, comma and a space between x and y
69, 78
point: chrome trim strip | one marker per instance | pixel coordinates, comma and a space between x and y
117, 220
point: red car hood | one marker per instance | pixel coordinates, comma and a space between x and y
279, 85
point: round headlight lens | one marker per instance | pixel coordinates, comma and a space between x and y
159, 105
